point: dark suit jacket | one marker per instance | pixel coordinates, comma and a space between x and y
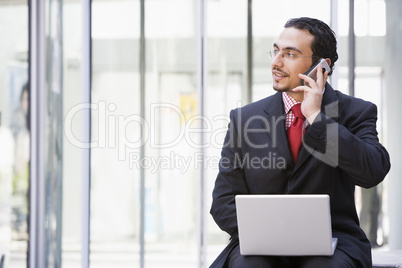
340, 150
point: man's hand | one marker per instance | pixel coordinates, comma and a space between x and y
311, 105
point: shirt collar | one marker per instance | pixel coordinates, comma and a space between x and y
288, 102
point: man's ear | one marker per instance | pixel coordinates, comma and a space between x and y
328, 60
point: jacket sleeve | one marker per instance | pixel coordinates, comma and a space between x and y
230, 180
350, 144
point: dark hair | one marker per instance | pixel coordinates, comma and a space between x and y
324, 43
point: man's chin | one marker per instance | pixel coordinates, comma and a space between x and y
280, 89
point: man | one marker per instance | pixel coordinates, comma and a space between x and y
340, 149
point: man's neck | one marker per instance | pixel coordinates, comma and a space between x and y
298, 96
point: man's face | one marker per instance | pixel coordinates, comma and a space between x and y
285, 70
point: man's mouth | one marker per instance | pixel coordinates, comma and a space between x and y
278, 74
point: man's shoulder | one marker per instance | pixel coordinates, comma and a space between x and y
258, 107
346, 100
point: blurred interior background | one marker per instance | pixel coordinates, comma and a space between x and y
113, 114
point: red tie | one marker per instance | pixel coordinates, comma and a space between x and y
295, 131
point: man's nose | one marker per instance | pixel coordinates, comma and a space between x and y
277, 60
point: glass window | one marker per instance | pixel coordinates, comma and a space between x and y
369, 85
115, 100
73, 129
341, 71
370, 17
14, 132
171, 106
269, 17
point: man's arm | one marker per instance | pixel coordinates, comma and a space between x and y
352, 142
352, 145
229, 182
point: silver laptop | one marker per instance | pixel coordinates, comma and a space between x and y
285, 225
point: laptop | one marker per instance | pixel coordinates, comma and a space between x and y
285, 225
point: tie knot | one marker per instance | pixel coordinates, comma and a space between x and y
296, 109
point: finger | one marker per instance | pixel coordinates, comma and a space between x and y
307, 79
321, 77
302, 88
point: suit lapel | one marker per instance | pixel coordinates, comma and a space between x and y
277, 134
275, 111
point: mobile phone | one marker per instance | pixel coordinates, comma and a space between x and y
312, 72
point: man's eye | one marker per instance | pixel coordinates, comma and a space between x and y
290, 54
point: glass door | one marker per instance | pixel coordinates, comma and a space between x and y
14, 133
